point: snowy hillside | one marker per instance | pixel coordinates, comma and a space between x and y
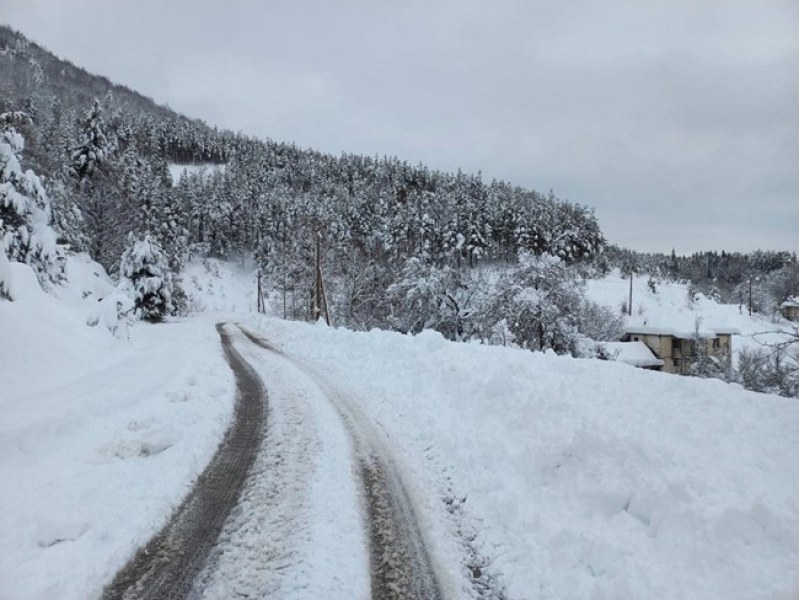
207, 170
670, 306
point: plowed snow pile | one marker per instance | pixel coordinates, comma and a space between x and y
100, 438
591, 479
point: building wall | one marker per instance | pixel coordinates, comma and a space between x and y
659, 344
678, 354
791, 313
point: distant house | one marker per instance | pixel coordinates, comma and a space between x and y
679, 349
636, 354
790, 309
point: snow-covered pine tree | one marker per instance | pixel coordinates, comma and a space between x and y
25, 232
144, 272
67, 218
91, 152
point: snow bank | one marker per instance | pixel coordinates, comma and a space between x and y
99, 438
591, 479
45, 341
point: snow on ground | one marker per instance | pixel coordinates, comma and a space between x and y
176, 170
215, 286
669, 307
584, 479
99, 438
590, 479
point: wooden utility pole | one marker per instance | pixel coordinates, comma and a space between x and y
261, 303
630, 304
320, 300
750, 295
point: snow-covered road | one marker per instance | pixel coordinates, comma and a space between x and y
297, 531
401, 565
324, 511
167, 565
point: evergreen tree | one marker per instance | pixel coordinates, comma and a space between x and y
144, 273
91, 152
25, 232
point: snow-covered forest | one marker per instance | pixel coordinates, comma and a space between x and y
105, 164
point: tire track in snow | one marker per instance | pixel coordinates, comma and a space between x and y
401, 566
165, 568
296, 531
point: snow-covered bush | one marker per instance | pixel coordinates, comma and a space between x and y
144, 272
769, 370
599, 323
540, 300
115, 313
428, 297
25, 232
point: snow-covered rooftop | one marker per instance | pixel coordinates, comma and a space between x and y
702, 331
793, 301
636, 354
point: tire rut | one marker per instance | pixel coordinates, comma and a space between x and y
166, 567
401, 568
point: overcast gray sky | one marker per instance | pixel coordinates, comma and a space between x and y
677, 120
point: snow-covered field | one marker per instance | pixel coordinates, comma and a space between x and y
670, 307
583, 479
176, 170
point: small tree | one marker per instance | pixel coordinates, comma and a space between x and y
540, 300
704, 364
144, 271
426, 296
599, 322
25, 232
770, 370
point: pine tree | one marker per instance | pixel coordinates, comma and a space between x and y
91, 152
25, 232
144, 272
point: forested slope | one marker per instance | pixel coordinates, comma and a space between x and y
103, 149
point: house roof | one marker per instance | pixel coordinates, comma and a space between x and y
636, 354
790, 302
704, 332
